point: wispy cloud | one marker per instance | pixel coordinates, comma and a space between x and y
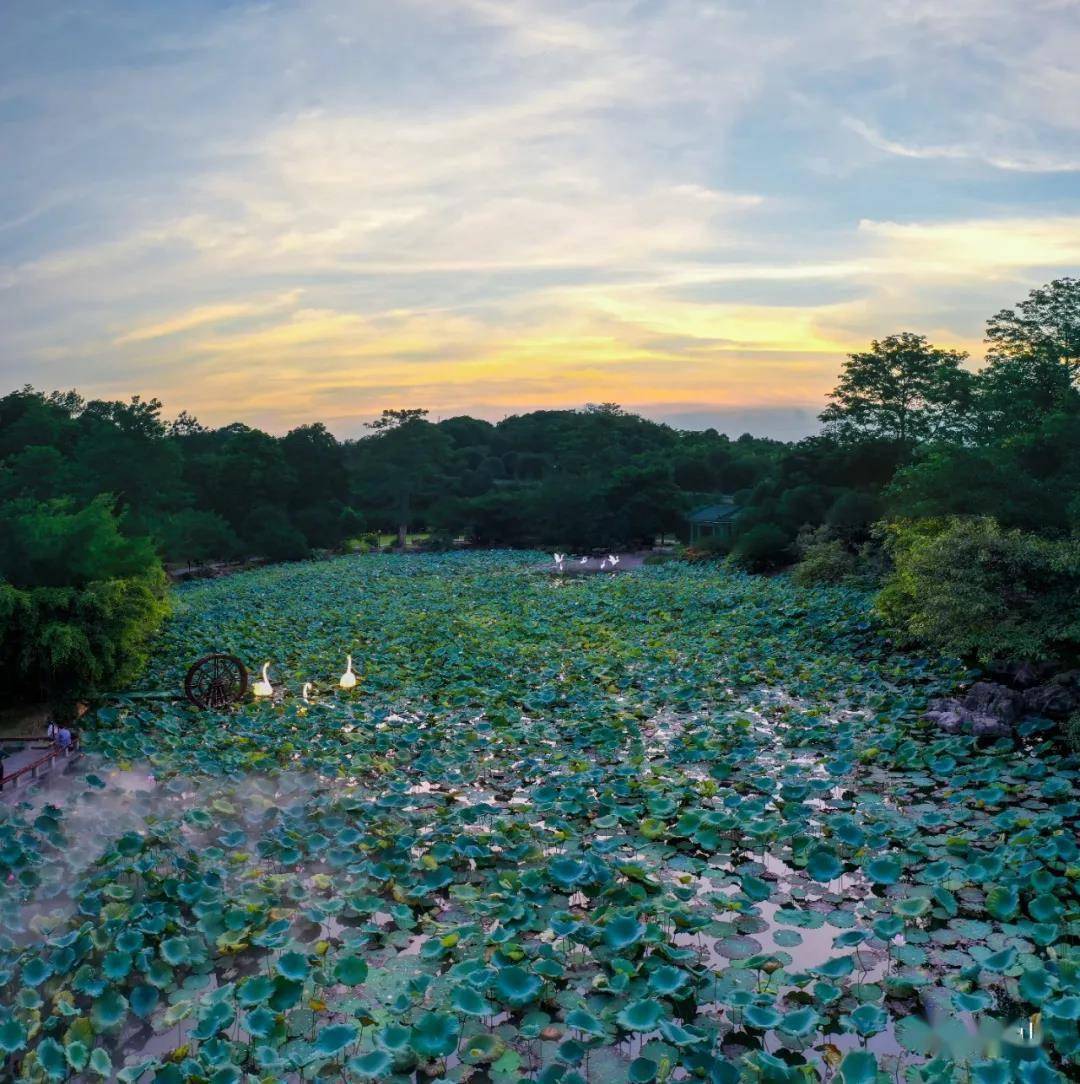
496, 204
977, 249
186, 321
1024, 162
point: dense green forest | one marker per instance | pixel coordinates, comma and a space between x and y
955, 490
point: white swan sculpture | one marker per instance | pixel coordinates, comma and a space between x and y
348, 679
305, 692
263, 686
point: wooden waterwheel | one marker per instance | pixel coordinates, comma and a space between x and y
216, 681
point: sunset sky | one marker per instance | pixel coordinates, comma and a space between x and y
283, 212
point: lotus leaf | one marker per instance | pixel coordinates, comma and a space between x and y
667, 980
332, 1040
175, 951
52, 1058
470, 1002
108, 1010
373, 1065
350, 970
912, 907
883, 871
435, 1034
77, 1054
799, 1022
12, 1035
260, 1023
584, 1021
560, 810
642, 1071
144, 1000
254, 991
293, 966
482, 1049
823, 864
762, 1017
641, 1015
622, 932
515, 986
858, 1067
868, 1019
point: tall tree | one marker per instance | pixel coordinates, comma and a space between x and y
121, 450
317, 465
1033, 360
902, 389
402, 461
394, 419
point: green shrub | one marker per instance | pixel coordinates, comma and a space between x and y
762, 548
662, 558
59, 641
58, 544
79, 601
271, 535
971, 589
195, 535
350, 523
852, 514
365, 543
715, 545
826, 560
826, 556
319, 524
1071, 730
438, 542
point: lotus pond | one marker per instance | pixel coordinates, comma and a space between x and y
663, 825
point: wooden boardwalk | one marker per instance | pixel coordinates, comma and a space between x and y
31, 757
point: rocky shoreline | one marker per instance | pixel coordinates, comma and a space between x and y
994, 709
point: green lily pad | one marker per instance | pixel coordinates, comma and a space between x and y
642, 1071
469, 1001
108, 1010
332, 1040
435, 1034
641, 1015
350, 970
858, 1067
515, 986
293, 966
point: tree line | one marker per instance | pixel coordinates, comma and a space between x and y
95, 496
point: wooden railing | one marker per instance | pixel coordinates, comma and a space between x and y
34, 768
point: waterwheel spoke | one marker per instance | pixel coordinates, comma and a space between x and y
216, 681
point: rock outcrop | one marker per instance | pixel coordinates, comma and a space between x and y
1057, 699
991, 699
990, 709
